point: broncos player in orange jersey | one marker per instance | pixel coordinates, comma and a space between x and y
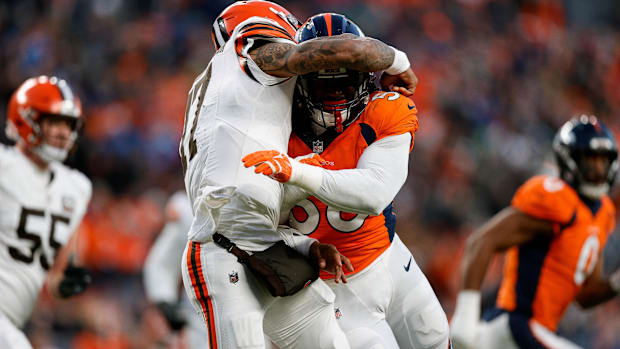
364, 138
553, 234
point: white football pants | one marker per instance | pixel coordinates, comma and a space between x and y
508, 330
237, 308
390, 304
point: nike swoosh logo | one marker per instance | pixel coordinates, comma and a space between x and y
408, 264
411, 107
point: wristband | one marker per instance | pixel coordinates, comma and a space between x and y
400, 64
307, 177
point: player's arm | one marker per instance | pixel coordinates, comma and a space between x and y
370, 187
367, 189
510, 227
604, 282
596, 289
283, 59
162, 274
66, 277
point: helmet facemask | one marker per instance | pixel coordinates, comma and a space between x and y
333, 98
52, 153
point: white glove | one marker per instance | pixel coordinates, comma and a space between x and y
464, 324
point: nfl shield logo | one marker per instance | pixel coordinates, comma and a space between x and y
68, 204
233, 277
317, 146
338, 313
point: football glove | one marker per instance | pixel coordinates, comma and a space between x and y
173, 314
75, 281
277, 165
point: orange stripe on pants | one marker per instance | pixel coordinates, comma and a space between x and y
194, 266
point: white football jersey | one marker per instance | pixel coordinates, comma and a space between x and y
234, 109
39, 210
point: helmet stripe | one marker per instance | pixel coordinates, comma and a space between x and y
218, 33
65, 90
320, 26
328, 23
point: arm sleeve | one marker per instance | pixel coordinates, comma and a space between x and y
291, 196
372, 185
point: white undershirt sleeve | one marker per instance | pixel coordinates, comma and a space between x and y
291, 196
371, 186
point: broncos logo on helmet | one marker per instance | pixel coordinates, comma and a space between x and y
332, 98
580, 138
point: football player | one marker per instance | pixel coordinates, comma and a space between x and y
553, 234
364, 138
162, 272
239, 104
42, 202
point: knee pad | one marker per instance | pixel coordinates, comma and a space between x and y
430, 327
364, 338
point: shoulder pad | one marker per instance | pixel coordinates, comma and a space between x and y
547, 197
390, 113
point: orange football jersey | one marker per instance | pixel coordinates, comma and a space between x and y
360, 237
542, 277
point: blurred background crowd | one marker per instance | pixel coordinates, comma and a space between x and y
497, 78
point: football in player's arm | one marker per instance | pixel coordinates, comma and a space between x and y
553, 234
42, 204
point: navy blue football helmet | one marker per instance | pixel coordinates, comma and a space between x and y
332, 98
581, 137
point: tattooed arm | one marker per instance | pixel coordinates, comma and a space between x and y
346, 51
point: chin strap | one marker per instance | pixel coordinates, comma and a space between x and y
49, 154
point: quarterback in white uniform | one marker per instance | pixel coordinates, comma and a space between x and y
42, 202
242, 103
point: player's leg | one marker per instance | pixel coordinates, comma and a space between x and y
305, 320
514, 331
495, 333
226, 295
550, 339
360, 306
194, 331
11, 336
415, 315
